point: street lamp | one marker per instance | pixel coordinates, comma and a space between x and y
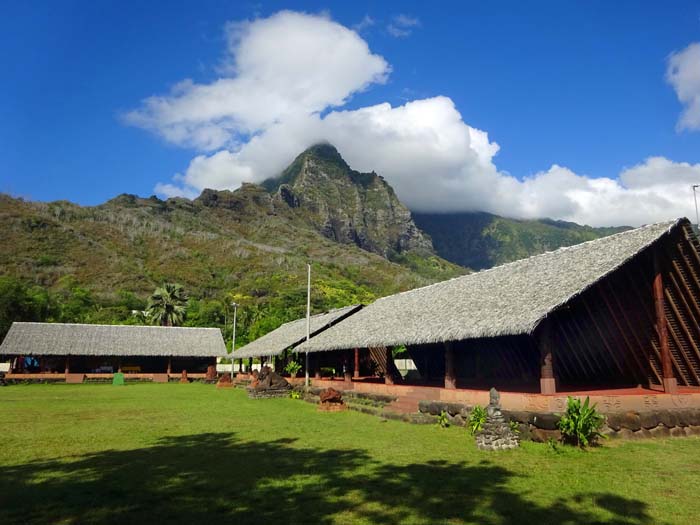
695, 197
233, 337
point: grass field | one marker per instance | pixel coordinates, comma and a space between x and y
193, 454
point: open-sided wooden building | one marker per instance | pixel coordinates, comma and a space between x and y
46, 350
274, 344
621, 311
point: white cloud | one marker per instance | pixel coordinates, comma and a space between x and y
683, 74
366, 22
402, 26
290, 69
285, 65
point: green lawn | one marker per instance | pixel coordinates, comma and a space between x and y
193, 454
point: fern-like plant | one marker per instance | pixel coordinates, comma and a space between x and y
581, 423
476, 420
292, 368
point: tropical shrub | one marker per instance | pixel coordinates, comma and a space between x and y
292, 368
476, 420
581, 423
295, 394
443, 421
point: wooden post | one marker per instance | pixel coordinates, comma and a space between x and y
347, 376
240, 365
450, 374
170, 366
669, 381
250, 365
67, 365
548, 383
356, 369
389, 372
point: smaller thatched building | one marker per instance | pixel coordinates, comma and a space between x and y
274, 344
58, 348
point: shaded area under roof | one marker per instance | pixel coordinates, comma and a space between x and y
111, 340
511, 299
292, 333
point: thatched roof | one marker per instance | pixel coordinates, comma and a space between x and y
507, 300
292, 333
111, 340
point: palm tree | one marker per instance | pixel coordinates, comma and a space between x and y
168, 305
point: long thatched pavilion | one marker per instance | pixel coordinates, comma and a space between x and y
621, 312
97, 351
274, 344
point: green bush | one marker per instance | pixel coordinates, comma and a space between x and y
581, 423
292, 368
443, 421
476, 420
295, 394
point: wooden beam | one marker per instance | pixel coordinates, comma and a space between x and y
689, 337
347, 375
67, 365
356, 368
170, 368
669, 380
450, 374
389, 370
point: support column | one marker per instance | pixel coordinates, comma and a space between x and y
669, 381
347, 376
67, 365
356, 369
389, 372
170, 366
250, 365
240, 365
548, 382
450, 370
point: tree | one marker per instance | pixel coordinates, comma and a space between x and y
168, 305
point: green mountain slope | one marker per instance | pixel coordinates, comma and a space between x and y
250, 245
481, 240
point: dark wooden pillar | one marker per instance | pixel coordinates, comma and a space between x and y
548, 382
389, 371
356, 368
347, 375
250, 365
669, 381
240, 365
67, 365
450, 372
170, 366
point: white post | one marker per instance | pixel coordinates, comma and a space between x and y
695, 197
233, 338
308, 322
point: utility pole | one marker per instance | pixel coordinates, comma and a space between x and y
233, 337
308, 323
695, 197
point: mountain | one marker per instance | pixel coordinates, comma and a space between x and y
481, 240
348, 206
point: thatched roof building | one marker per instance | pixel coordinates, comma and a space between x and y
292, 333
59, 339
507, 300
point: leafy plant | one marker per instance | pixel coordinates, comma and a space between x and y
552, 446
476, 420
443, 421
580, 424
292, 368
295, 394
168, 305
514, 427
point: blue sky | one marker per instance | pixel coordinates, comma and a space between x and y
568, 91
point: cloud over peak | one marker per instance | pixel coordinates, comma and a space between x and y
284, 87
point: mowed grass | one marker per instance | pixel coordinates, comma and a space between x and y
194, 454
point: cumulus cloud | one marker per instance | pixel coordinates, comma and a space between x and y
683, 74
402, 26
286, 65
425, 150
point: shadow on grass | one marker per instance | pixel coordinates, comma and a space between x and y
214, 478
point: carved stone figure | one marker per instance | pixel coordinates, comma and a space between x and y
496, 433
270, 380
331, 400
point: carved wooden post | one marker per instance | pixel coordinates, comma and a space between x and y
356, 369
669, 381
389, 372
450, 374
548, 382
